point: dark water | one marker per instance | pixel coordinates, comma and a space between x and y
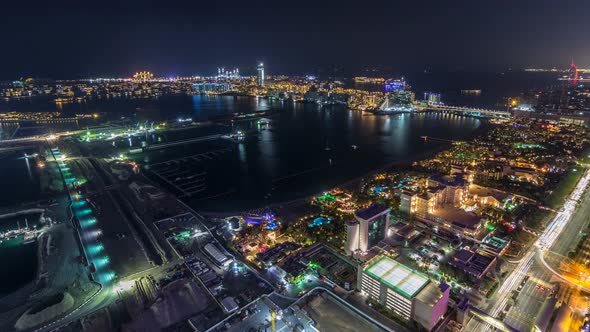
19, 264
19, 178
305, 149
20, 183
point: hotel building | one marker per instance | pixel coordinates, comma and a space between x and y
408, 294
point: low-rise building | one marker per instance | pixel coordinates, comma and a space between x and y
456, 220
216, 256
440, 191
421, 205
475, 263
453, 188
408, 294
487, 196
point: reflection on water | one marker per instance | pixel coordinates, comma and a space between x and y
304, 149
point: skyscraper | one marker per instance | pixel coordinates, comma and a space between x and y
352, 237
260, 74
373, 222
432, 98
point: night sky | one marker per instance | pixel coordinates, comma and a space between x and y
71, 39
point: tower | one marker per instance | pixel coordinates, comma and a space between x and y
352, 237
573, 74
373, 223
260, 74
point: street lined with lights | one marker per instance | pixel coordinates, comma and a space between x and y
544, 242
89, 231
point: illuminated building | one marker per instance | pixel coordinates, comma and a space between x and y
260, 74
219, 258
573, 74
476, 263
211, 87
402, 97
453, 188
473, 92
222, 73
352, 237
395, 85
439, 204
455, 220
441, 190
373, 222
399, 101
408, 294
143, 76
419, 205
432, 98
363, 79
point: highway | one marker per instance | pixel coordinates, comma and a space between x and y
556, 237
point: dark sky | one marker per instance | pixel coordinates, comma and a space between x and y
76, 38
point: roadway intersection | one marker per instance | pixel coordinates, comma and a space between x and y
560, 236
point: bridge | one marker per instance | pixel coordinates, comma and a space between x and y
472, 312
19, 121
387, 108
470, 111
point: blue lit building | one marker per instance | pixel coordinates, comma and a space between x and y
211, 87
395, 85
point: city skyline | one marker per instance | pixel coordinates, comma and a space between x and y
65, 40
261, 166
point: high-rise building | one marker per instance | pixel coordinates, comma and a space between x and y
373, 222
432, 98
260, 74
408, 294
402, 97
352, 237
222, 73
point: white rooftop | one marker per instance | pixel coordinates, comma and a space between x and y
397, 276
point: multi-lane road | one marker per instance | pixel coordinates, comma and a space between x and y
557, 238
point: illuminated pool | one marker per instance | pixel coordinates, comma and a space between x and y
319, 221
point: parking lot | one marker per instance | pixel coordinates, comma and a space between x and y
429, 252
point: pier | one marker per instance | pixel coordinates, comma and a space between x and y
186, 141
